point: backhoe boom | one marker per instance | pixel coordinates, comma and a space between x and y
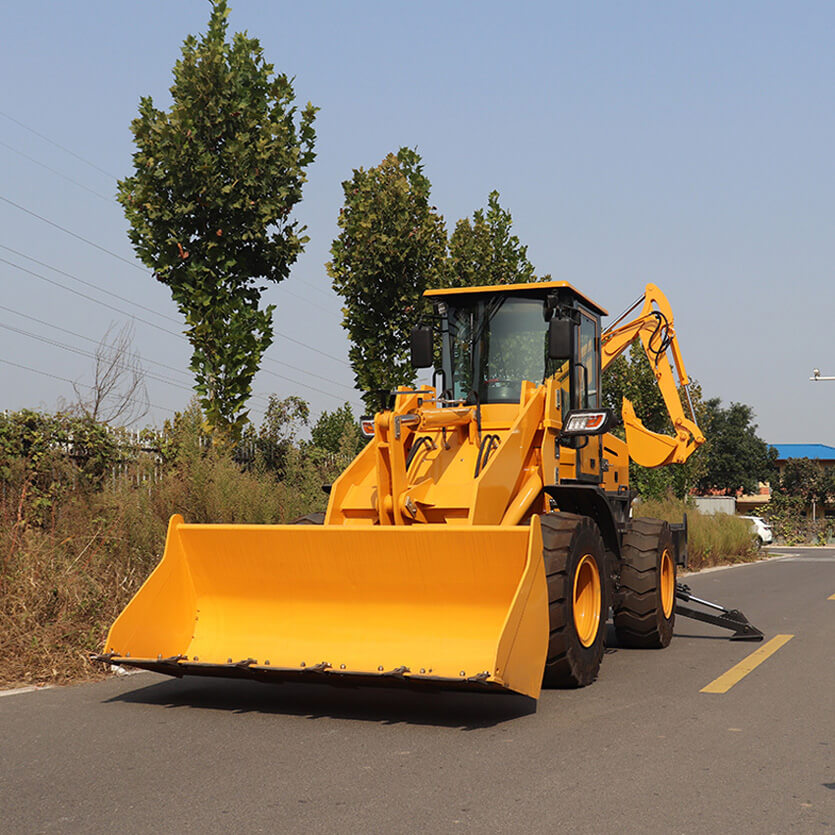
654, 327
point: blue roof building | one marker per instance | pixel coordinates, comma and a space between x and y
816, 452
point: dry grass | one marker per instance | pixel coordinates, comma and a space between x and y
712, 539
65, 578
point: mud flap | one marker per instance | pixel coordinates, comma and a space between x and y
456, 606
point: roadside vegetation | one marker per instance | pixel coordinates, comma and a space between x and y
712, 540
83, 516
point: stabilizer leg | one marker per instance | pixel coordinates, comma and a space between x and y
731, 619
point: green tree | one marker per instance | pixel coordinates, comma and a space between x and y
283, 420
806, 479
736, 458
216, 178
391, 246
483, 250
338, 431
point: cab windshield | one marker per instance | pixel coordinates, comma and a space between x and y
493, 345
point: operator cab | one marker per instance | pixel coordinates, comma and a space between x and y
495, 337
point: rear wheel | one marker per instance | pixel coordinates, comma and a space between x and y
575, 560
645, 604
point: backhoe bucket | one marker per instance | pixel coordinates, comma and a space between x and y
423, 604
646, 448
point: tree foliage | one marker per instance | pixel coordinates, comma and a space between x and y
209, 204
338, 431
807, 480
736, 457
284, 418
391, 246
483, 250
51, 455
733, 456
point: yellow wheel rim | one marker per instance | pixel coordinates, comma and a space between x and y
668, 584
587, 600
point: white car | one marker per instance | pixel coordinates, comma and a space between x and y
760, 528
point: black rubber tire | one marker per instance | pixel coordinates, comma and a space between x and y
639, 616
566, 539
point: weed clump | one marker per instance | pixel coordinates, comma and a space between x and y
715, 539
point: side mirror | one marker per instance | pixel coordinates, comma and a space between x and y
560, 339
421, 348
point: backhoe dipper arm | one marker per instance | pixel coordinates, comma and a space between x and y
654, 326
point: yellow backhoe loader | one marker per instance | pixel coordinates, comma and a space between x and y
480, 538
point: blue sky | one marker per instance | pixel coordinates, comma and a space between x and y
685, 144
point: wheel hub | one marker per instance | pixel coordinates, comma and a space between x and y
587, 599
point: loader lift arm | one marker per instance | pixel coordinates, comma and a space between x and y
654, 326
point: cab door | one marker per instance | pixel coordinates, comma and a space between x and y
587, 385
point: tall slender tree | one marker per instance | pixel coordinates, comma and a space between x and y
484, 250
210, 200
391, 246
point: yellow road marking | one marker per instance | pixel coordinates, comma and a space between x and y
738, 672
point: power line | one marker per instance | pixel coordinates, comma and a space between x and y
81, 352
102, 171
89, 298
120, 257
110, 252
164, 330
53, 142
91, 285
67, 380
141, 269
56, 172
143, 360
74, 234
143, 307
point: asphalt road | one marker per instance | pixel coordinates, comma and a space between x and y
641, 750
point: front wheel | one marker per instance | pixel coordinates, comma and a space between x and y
575, 560
644, 607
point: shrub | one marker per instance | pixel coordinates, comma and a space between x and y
712, 539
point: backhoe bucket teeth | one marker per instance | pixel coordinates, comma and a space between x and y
446, 606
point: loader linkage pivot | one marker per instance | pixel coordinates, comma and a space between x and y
731, 619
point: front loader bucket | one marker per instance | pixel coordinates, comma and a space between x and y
434, 604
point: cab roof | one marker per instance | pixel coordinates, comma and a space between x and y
534, 288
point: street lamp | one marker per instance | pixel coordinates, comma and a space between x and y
816, 375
